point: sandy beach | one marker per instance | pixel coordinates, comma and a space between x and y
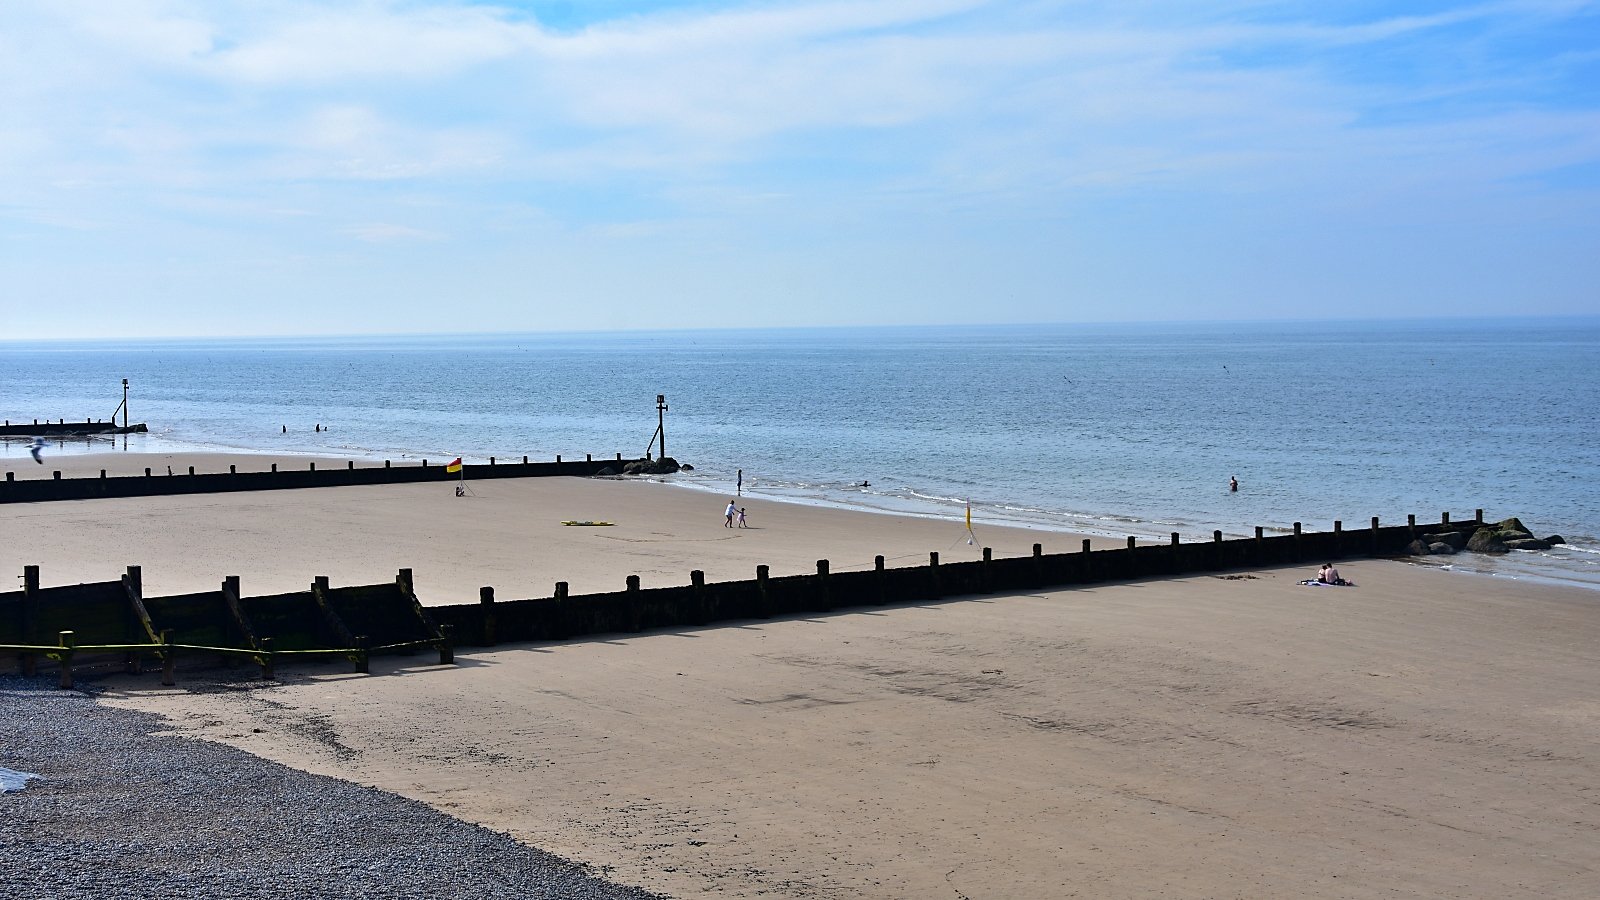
1425, 734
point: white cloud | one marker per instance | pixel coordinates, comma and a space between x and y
389, 233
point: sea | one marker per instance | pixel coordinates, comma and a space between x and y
1108, 429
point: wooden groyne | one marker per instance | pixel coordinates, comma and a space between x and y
69, 622
318, 473
63, 428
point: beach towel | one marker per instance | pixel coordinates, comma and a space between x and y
1312, 582
587, 523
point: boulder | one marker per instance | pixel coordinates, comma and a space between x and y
1441, 548
1455, 539
1528, 544
666, 465
1418, 548
1511, 524
1555, 539
1487, 540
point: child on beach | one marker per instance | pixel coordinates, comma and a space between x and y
741, 518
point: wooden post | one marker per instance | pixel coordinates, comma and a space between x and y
1038, 565
319, 594
1216, 549
697, 606
934, 591
1411, 525
191, 470
363, 660
1444, 518
635, 602
1374, 535
1297, 554
560, 614
1479, 515
984, 574
447, 645
824, 601
763, 599
486, 611
1086, 546
30, 599
68, 641
266, 660
169, 659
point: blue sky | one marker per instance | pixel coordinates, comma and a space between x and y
213, 168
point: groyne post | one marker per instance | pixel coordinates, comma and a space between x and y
1444, 518
68, 641
985, 578
824, 601
169, 659
447, 645
1375, 539
697, 607
882, 578
1038, 565
265, 658
1216, 549
763, 599
1479, 515
486, 611
1172, 554
362, 658
635, 602
559, 615
934, 592
1338, 538
1297, 554
30, 599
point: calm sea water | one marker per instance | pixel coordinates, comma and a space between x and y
1129, 429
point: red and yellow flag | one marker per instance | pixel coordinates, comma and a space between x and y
454, 467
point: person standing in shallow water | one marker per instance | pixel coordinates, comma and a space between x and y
1233, 483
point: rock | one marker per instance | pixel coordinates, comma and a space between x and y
1555, 539
1455, 539
666, 465
1528, 544
1418, 548
1512, 524
686, 467
1486, 540
1441, 548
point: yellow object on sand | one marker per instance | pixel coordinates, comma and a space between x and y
587, 523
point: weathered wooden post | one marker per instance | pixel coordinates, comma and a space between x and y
1338, 538
265, 659
486, 612
1479, 515
824, 601
1411, 525
1297, 554
882, 578
1444, 518
447, 645
985, 577
30, 599
1374, 535
763, 599
1216, 549
934, 591
697, 602
363, 658
169, 659
560, 615
635, 604
191, 470
68, 641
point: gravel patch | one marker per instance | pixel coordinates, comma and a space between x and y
120, 812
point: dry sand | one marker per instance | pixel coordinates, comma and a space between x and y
1426, 734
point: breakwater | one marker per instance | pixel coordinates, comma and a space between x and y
70, 622
324, 473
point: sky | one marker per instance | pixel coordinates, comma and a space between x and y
289, 168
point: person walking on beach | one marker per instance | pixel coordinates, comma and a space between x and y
741, 518
728, 514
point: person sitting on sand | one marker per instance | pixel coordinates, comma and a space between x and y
1329, 575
